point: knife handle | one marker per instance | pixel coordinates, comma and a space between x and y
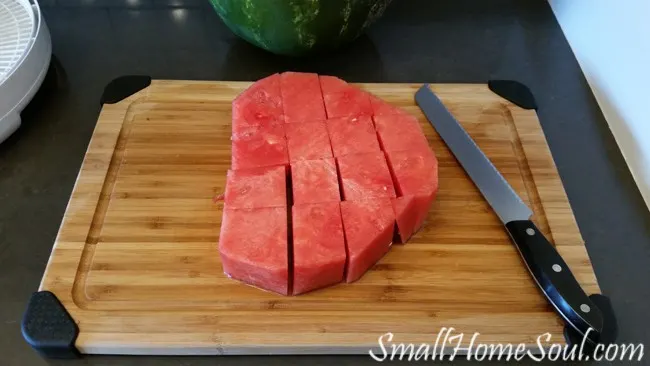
555, 279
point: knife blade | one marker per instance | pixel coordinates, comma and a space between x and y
550, 272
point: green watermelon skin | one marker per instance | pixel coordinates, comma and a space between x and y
299, 27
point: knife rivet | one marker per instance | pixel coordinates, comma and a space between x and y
530, 231
557, 268
585, 308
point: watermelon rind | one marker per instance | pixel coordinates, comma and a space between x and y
299, 27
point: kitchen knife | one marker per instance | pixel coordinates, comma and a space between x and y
544, 263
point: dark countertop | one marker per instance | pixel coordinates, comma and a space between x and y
417, 41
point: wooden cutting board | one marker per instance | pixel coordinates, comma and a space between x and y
136, 262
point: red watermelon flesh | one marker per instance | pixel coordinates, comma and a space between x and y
253, 247
301, 97
308, 141
385, 168
332, 84
248, 131
314, 181
365, 176
427, 201
318, 246
400, 132
258, 146
368, 227
260, 104
344, 100
352, 135
382, 108
406, 211
416, 174
415, 171
256, 188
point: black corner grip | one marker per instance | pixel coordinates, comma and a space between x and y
123, 87
48, 327
610, 326
515, 92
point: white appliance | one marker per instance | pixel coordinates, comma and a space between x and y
25, 52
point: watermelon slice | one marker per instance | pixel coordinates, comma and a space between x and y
400, 132
365, 176
368, 227
332, 84
259, 146
308, 141
407, 214
382, 108
248, 131
314, 181
410, 212
352, 135
416, 176
341, 143
256, 188
318, 246
253, 247
260, 104
427, 201
301, 97
344, 100
415, 171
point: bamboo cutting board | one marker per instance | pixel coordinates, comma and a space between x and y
136, 262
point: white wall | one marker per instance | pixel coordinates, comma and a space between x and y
611, 40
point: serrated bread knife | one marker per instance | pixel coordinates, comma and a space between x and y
544, 263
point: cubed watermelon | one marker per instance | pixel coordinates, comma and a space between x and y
301, 97
332, 84
365, 176
318, 246
260, 104
416, 174
248, 131
408, 210
253, 247
415, 171
368, 227
314, 181
341, 143
256, 188
382, 108
427, 201
400, 132
352, 135
343, 99
259, 146
308, 141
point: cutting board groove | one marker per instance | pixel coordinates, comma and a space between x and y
136, 262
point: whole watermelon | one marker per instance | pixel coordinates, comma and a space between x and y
298, 27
